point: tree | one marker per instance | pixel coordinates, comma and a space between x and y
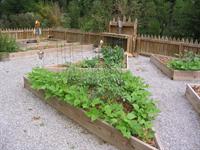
50, 14
73, 12
164, 17
194, 19
15, 7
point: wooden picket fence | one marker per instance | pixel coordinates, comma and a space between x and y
142, 44
148, 45
76, 36
92, 38
19, 34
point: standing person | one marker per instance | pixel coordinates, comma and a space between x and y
37, 30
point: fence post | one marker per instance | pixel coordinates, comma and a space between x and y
129, 40
180, 48
134, 37
137, 45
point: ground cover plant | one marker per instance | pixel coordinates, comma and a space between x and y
109, 57
7, 44
188, 62
116, 97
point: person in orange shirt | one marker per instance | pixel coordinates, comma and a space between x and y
37, 29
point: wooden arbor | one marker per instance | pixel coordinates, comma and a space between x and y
128, 33
128, 27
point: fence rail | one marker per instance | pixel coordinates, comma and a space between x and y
144, 44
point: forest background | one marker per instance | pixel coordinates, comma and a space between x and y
177, 18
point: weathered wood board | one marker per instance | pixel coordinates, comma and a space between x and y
98, 127
193, 97
174, 74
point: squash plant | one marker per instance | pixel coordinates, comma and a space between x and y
116, 97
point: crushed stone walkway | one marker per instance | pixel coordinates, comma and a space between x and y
26, 123
178, 125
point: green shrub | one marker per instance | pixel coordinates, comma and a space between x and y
7, 44
189, 61
22, 20
118, 98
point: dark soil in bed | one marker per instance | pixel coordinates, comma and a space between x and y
197, 89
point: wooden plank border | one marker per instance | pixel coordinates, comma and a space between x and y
98, 127
193, 97
160, 65
174, 74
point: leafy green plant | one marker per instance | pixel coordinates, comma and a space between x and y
113, 56
189, 61
7, 44
118, 98
90, 63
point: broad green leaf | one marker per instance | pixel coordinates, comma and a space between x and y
131, 116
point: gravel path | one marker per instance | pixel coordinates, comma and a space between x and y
26, 123
177, 125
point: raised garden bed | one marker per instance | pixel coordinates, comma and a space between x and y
102, 129
108, 58
63, 67
193, 95
161, 61
25, 45
51, 49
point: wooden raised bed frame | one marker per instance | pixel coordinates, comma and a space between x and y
28, 53
174, 74
98, 127
193, 97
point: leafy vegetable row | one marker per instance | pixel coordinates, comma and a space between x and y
118, 98
189, 61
